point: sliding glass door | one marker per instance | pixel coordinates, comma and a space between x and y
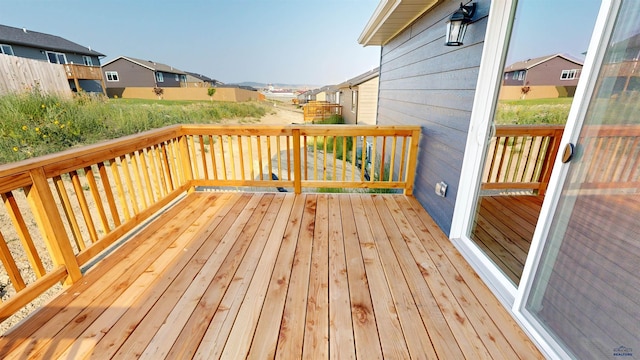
584, 291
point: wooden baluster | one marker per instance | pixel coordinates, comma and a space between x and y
10, 265
214, 166
203, 157
120, 188
69, 213
168, 177
344, 158
23, 234
260, 170
297, 177
54, 233
250, 149
106, 185
84, 206
382, 156
392, 162
95, 192
354, 157
335, 159
372, 175
232, 159
242, 175
269, 163
127, 178
145, 175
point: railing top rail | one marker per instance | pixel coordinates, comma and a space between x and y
533, 130
75, 158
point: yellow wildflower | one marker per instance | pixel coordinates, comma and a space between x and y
15, 148
24, 127
44, 136
62, 126
43, 106
37, 129
56, 122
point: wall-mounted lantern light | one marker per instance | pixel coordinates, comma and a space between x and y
457, 25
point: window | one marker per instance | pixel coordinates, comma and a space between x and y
112, 75
569, 74
354, 100
159, 77
177, 78
6, 49
56, 57
87, 60
521, 75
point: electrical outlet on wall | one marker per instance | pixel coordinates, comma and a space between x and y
441, 189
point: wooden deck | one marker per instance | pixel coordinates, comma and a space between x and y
262, 275
504, 227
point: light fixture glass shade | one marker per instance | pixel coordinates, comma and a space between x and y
455, 32
457, 25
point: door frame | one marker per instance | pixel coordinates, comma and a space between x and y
490, 75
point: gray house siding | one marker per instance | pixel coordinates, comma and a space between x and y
169, 80
29, 52
423, 82
129, 75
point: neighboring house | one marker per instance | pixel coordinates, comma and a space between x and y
359, 98
198, 80
123, 72
578, 295
554, 70
82, 64
309, 95
547, 77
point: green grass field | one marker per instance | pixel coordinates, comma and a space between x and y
36, 124
529, 112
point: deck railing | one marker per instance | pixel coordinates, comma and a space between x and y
85, 199
521, 157
320, 110
608, 157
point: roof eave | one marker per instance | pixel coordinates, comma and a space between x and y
390, 18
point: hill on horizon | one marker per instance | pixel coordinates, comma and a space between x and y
259, 85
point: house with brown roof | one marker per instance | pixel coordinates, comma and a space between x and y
125, 71
546, 76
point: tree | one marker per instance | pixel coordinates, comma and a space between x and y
158, 91
211, 92
525, 90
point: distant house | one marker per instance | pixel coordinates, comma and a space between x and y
81, 64
198, 80
556, 70
359, 98
550, 71
124, 71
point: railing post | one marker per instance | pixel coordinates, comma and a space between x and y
54, 233
297, 171
412, 162
549, 161
185, 159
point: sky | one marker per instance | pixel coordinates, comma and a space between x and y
547, 27
301, 42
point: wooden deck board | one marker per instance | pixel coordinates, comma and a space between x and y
504, 227
278, 275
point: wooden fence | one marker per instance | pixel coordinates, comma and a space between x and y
21, 74
85, 199
320, 110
